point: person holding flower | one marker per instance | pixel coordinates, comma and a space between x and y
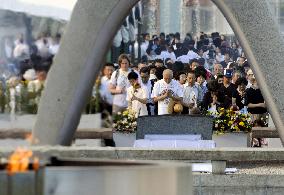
136, 96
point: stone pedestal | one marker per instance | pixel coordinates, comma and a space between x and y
124, 139
175, 124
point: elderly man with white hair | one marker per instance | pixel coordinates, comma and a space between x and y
166, 89
217, 69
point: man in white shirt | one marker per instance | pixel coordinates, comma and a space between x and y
105, 93
136, 96
146, 83
148, 86
168, 53
54, 47
145, 44
165, 91
43, 48
192, 93
21, 50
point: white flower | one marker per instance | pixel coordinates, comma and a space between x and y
124, 121
30, 75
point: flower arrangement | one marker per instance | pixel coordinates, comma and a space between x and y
228, 120
241, 122
125, 122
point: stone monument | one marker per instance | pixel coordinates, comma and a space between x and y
175, 124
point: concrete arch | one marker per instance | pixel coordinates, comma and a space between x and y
90, 31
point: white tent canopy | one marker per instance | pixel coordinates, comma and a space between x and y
57, 9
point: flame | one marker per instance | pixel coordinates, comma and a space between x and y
21, 158
19, 161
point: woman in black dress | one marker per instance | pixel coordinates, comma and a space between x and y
255, 100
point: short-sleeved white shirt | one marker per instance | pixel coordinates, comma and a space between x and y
148, 87
165, 54
104, 90
192, 55
191, 94
121, 81
184, 59
138, 107
160, 88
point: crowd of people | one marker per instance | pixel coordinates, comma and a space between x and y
37, 54
201, 74
198, 74
24, 69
